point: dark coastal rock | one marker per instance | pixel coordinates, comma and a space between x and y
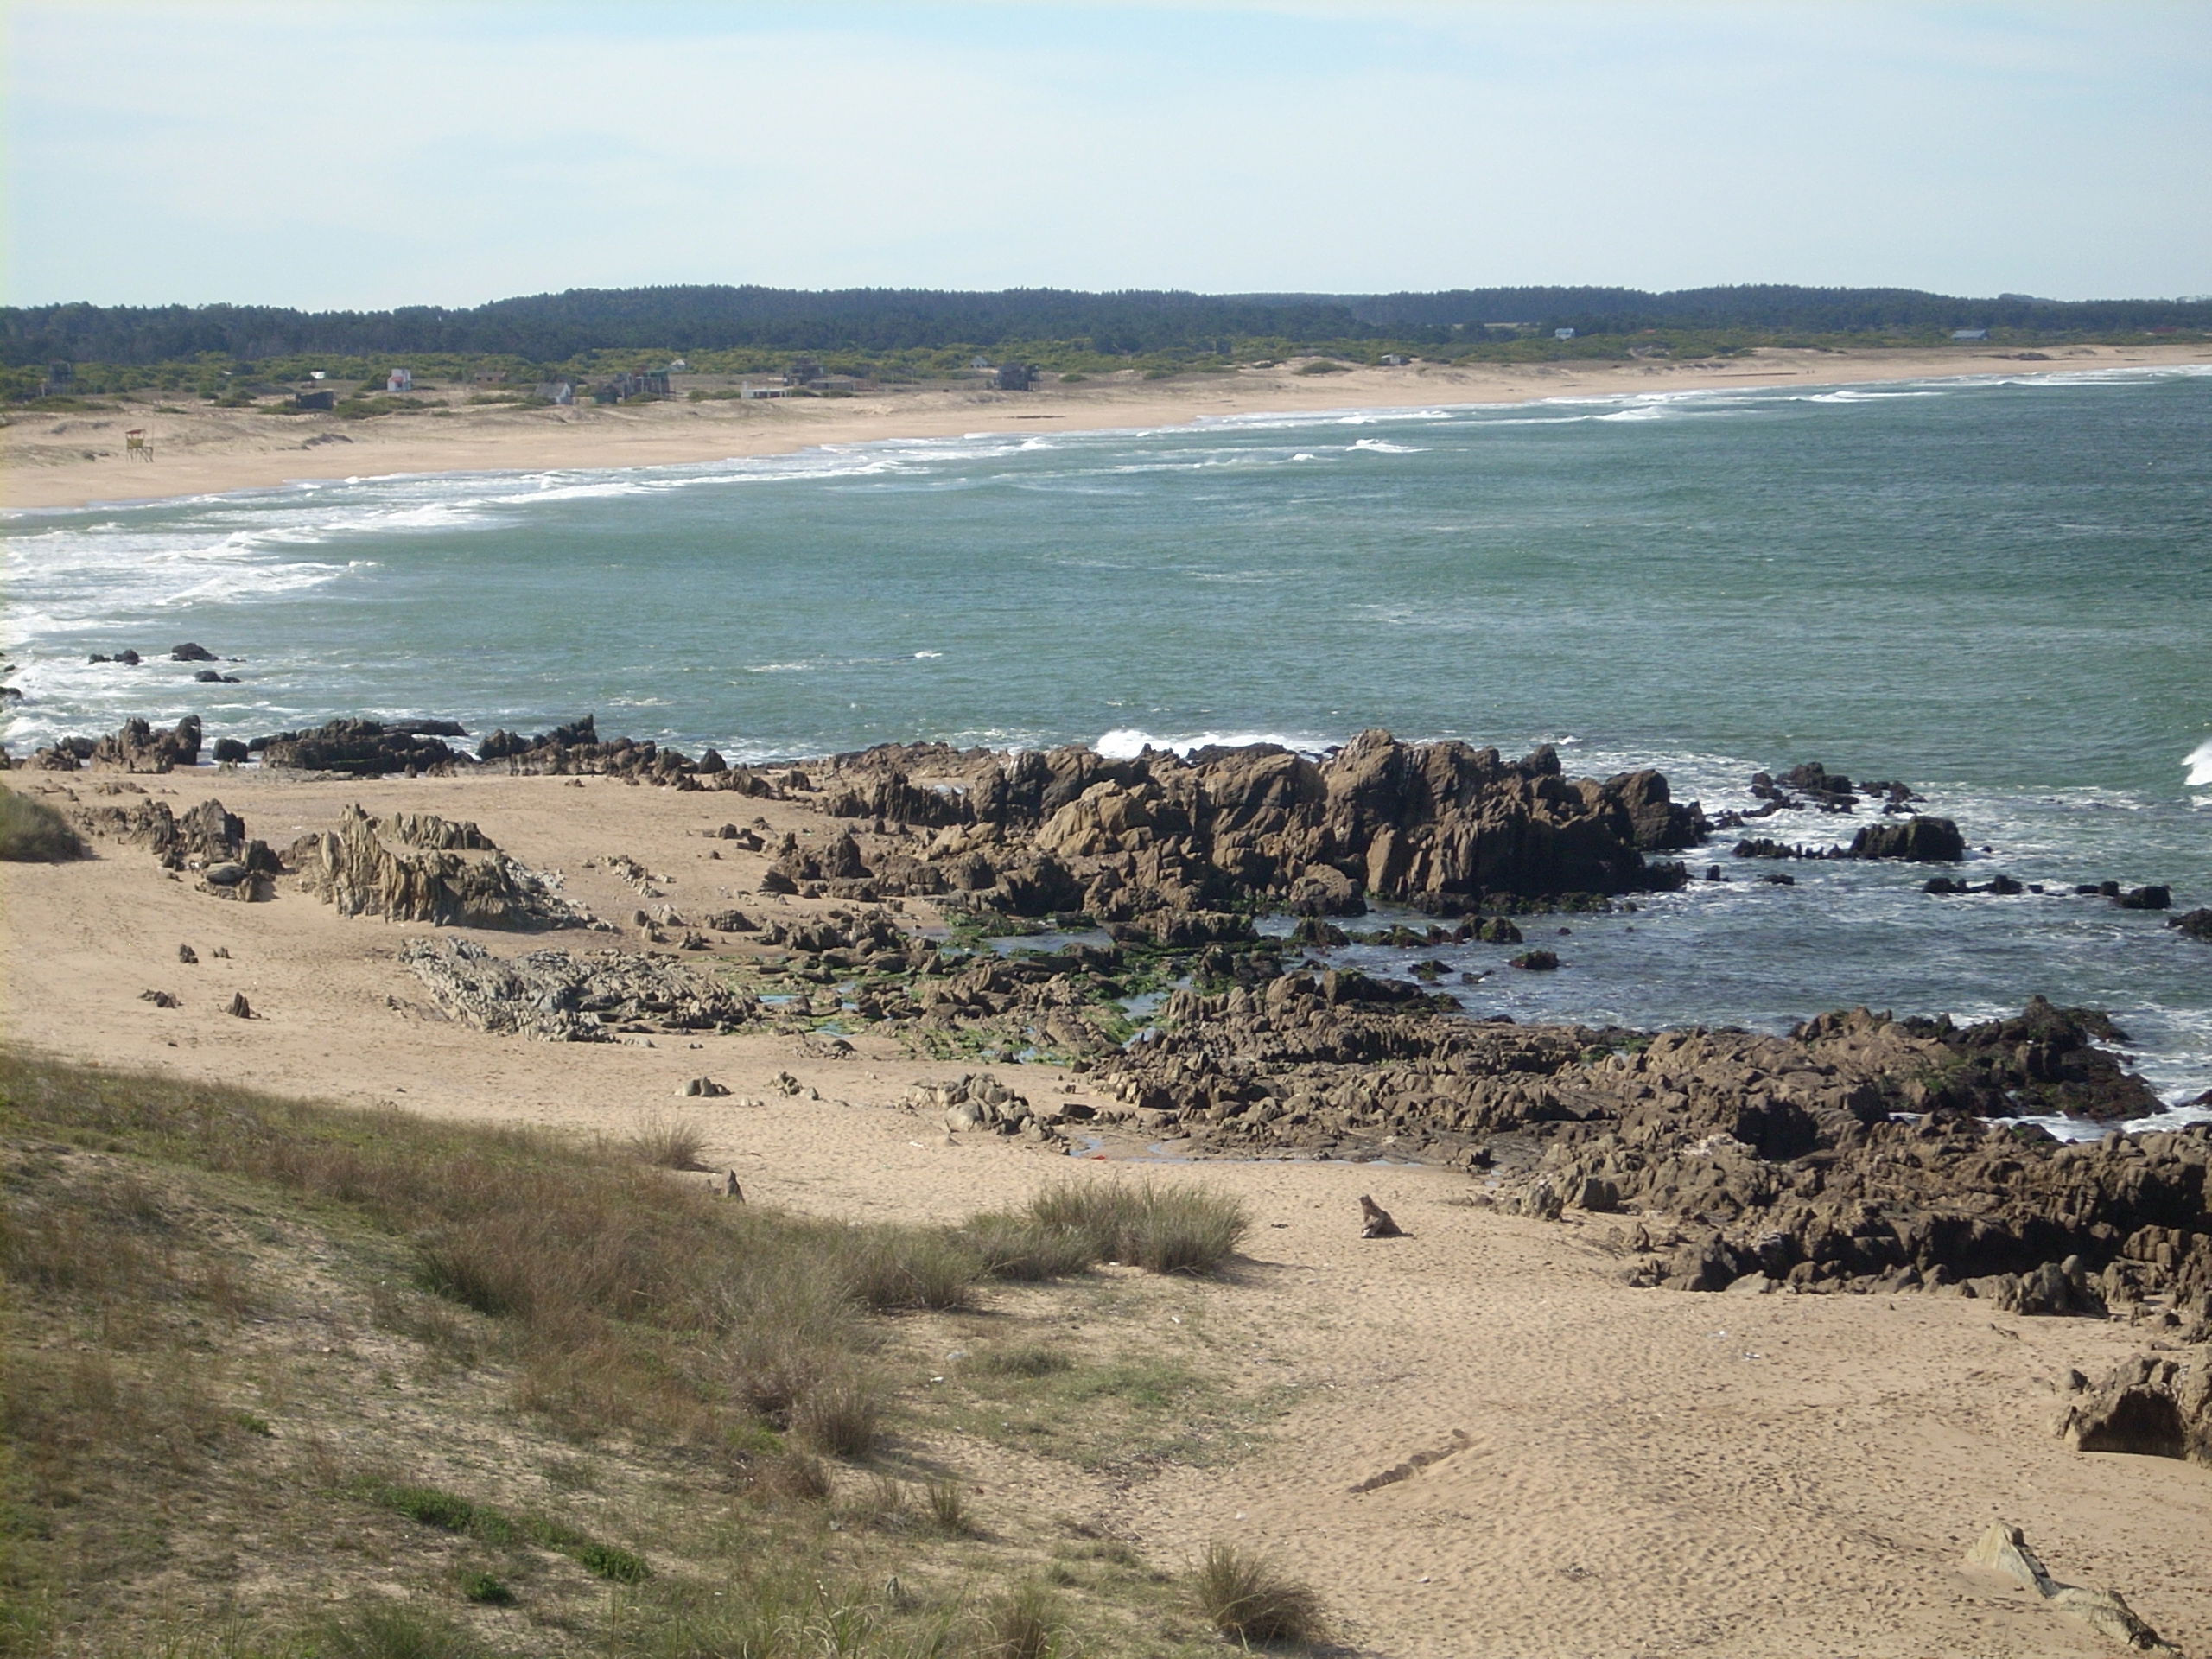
2195, 925
2150, 898
576, 749
561, 996
189, 653
215, 677
205, 837
358, 870
362, 749
138, 745
1440, 827
229, 751
1540, 962
2153, 1406
1919, 840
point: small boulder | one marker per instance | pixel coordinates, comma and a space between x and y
189, 653
1376, 1221
696, 1087
159, 999
1537, 962
238, 1008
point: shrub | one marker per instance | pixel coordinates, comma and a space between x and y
484, 1588
1247, 1599
1032, 1359
31, 832
1320, 365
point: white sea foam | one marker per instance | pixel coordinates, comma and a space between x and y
2200, 766
1126, 742
927, 655
1384, 446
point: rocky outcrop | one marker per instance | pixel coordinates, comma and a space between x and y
2196, 925
577, 749
2153, 1406
980, 1101
206, 838
357, 869
138, 745
1443, 827
364, 748
580, 997
1918, 840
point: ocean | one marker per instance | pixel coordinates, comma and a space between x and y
1998, 590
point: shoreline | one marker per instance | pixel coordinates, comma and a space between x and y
46, 464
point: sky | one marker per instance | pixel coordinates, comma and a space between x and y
331, 154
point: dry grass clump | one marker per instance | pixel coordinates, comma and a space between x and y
1249, 1598
1021, 1624
1159, 1227
668, 1141
1019, 1248
31, 832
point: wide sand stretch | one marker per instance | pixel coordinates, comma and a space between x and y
71, 459
1605, 1470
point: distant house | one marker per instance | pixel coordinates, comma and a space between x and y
315, 400
648, 383
399, 380
1563, 333
562, 392
979, 364
1017, 376
767, 389
1969, 333
1394, 360
803, 371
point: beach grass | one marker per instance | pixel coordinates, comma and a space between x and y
405, 1387
31, 832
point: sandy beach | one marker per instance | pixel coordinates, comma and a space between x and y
1615, 1471
75, 459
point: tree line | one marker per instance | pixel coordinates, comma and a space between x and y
564, 326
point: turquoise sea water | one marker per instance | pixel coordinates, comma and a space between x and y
1999, 590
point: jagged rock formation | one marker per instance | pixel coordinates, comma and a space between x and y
206, 838
1442, 826
2154, 1406
138, 745
364, 748
577, 748
356, 869
2195, 925
581, 997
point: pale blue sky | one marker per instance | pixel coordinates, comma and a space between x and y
326, 153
